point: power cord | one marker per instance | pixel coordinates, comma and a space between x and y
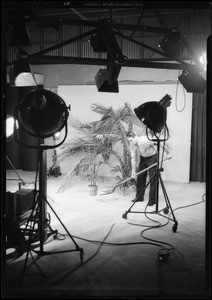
163, 253
86, 261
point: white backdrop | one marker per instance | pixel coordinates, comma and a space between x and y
81, 97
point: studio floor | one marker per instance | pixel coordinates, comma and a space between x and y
137, 256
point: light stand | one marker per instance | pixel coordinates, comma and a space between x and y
159, 181
39, 120
148, 114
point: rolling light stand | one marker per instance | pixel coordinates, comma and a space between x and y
153, 115
41, 114
158, 178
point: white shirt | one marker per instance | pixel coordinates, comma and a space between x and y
140, 146
143, 146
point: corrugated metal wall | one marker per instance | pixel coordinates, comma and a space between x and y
195, 26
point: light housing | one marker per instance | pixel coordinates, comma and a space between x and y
97, 43
104, 41
106, 79
192, 81
172, 46
42, 113
153, 114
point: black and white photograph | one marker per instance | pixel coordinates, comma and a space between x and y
106, 149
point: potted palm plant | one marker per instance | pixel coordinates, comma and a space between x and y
92, 145
88, 150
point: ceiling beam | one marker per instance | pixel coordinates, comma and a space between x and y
184, 42
136, 63
95, 24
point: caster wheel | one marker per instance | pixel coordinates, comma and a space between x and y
174, 228
124, 215
166, 211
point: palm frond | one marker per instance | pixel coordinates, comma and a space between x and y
101, 109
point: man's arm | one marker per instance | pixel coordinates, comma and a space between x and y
133, 153
165, 147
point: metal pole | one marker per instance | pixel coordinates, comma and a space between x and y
157, 175
42, 198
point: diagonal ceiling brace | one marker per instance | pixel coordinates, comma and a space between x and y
67, 42
139, 43
150, 48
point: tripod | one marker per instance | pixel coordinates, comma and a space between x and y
39, 216
39, 209
157, 177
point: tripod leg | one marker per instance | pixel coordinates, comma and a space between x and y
168, 204
31, 231
124, 216
77, 247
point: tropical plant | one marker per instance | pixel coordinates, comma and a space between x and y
115, 121
92, 145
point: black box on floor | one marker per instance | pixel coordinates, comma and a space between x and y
19, 203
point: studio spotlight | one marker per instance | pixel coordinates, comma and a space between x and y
42, 113
192, 81
21, 73
172, 46
106, 79
153, 114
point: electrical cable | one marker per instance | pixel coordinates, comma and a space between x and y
139, 21
176, 93
78, 266
189, 205
168, 251
102, 243
152, 227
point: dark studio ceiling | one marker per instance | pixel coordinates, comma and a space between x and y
93, 10
87, 14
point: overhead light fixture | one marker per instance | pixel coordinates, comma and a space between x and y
153, 114
20, 36
106, 79
105, 41
192, 81
21, 73
97, 42
172, 45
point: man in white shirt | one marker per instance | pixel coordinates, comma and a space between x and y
144, 154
